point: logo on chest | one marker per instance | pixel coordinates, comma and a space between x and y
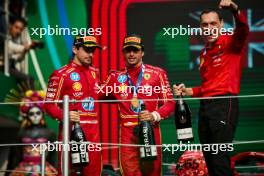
122, 78
77, 94
93, 74
88, 105
217, 62
50, 95
146, 76
53, 84
77, 86
75, 76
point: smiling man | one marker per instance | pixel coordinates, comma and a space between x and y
133, 77
79, 80
221, 63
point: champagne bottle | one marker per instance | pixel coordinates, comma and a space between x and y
80, 156
183, 121
146, 138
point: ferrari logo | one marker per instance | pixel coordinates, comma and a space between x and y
93, 74
146, 76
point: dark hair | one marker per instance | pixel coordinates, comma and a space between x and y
217, 11
20, 19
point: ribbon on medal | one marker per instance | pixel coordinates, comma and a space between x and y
135, 102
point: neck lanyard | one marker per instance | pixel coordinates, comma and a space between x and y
139, 80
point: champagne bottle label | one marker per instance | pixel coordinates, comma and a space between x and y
146, 138
148, 151
154, 151
85, 157
79, 152
184, 133
75, 158
183, 120
80, 156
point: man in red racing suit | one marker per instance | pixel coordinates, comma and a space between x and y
79, 81
154, 85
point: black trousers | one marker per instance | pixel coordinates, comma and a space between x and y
217, 123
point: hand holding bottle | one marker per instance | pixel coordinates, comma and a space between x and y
74, 116
182, 117
180, 89
146, 116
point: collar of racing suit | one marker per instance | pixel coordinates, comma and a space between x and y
219, 41
134, 72
79, 67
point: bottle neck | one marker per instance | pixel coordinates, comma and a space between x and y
180, 99
143, 107
179, 96
76, 124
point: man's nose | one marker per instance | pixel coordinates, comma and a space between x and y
211, 27
131, 53
90, 54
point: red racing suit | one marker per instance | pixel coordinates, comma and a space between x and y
152, 77
221, 65
80, 83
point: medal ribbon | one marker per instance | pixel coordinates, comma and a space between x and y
139, 80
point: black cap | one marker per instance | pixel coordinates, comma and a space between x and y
133, 41
86, 41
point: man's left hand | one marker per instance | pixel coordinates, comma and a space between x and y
229, 4
146, 116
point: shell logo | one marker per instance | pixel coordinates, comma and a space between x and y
77, 86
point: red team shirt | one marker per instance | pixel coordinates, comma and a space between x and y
153, 77
79, 83
221, 66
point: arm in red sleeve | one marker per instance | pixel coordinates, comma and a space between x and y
53, 93
241, 32
196, 91
168, 104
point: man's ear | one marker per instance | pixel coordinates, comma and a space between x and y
74, 49
222, 23
143, 53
